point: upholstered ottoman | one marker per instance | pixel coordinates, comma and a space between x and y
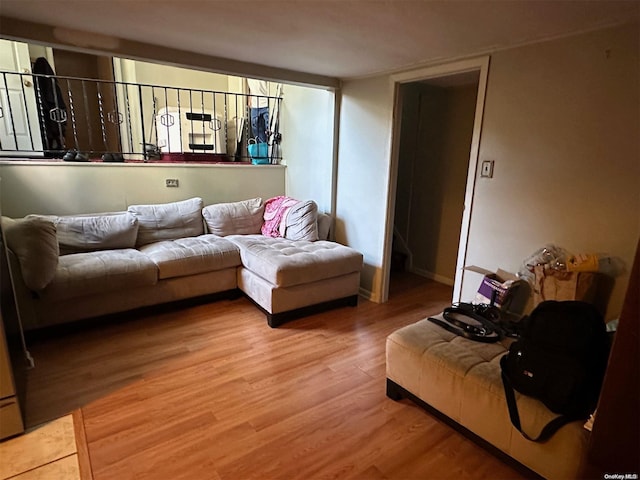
461, 379
285, 277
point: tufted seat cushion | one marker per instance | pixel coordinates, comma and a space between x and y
80, 274
461, 379
425, 349
287, 263
192, 255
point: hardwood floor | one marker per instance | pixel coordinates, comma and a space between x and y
211, 392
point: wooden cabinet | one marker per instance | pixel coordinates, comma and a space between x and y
10, 415
12, 353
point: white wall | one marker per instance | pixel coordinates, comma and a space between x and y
156, 74
363, 174
561, 121
307, 143
59, 188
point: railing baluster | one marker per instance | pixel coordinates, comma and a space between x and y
57, 115
101, 116
40, 105
155, 112
247, 124
26, 109
128, 105
117, 121
73, 115
165, 124
202, 110
87, 116
179, 120
13, 126
144, 141
216, 147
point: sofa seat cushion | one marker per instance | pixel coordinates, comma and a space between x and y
429, 351
80, 274
192, 255
285, 263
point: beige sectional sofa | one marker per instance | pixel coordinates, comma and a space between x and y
67, 268
460, 379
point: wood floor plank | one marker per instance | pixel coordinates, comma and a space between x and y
211, 392
84, 462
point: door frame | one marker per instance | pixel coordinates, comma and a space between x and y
481, 65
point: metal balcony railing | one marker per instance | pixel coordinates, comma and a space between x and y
80, 119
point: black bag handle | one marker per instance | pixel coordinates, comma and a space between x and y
547, 431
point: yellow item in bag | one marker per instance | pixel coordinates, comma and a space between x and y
584, 262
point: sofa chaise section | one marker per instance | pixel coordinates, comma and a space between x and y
284, 276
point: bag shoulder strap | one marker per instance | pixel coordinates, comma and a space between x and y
547, 431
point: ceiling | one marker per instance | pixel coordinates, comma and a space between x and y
343, 39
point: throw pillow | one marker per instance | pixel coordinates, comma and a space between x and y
34, 242
301, 222
236, 218
275, 210
168, 221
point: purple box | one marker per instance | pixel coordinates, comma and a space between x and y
500, 284
490, 287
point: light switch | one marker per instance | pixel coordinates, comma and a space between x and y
487, 169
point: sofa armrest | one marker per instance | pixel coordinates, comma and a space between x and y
34, 242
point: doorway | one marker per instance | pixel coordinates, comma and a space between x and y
438, 114
94, 102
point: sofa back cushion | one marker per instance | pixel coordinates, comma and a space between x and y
324, 226
168, 221
236, 218
102, 231
33, 241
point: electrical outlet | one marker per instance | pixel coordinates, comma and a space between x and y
487, 169
171, 182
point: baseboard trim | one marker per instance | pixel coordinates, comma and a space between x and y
432, 276
368, 295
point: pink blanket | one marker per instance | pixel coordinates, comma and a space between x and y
275, 210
